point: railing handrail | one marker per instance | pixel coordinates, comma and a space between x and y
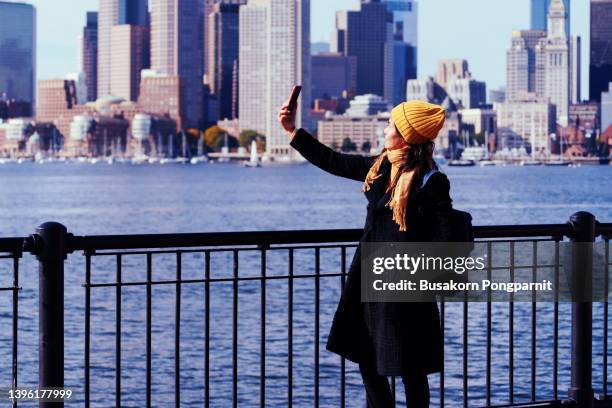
267, 238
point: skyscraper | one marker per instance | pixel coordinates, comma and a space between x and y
89, 55
177, 49
405, 34
110, 13
367, 34
557, 61
450, 68
539, 15
131, 46
222, 48
274, 55
600, 69
523, 74
17, 51
208, 8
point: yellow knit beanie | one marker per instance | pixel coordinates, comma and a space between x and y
417, 121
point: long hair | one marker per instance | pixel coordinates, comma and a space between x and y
419, 158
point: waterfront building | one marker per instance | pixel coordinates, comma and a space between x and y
404, 69
524, 70
529, 120
364, 131
467, 92
539, 15
451, 68
222, 49
17, 51
274, 56
424, 89
177, 50
89, 55
130, 55
367, 105
333, 75
600, 68
606, 108
161, 95
111, 13
367, 34
479, 121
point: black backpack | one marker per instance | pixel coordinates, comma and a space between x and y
461, 221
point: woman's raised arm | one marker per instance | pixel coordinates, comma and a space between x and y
352, 166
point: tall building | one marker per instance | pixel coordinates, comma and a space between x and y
274, 56
177, 49
606, 109
131, 49
367, 34
208, 9
467, 92
404, 69
367, 105
222, 48
110, 13
557, 61
575, 68
333, 74
539, 15
17, 51
600, 68
528, 120
449, 68
424, 89
405, 49
89, 55
523, 74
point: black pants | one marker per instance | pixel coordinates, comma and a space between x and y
378, 391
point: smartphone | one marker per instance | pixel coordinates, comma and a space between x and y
295, 93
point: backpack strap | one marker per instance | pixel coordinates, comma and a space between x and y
427, 176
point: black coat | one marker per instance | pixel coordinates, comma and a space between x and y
396, 337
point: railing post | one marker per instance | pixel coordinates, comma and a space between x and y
581, 390
49, 246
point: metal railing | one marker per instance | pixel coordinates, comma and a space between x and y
51, 243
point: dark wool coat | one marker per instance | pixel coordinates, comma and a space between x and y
394, 337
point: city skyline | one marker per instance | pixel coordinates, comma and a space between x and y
57, 50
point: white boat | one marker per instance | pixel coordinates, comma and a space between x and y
153, 160
140, 159
254, 160
198, 160
110, 160
181, 160
484, 163
461, 163
530, 163
558, 163
94, 160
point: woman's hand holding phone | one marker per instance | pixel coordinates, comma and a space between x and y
286, 115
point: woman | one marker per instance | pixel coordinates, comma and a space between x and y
387, 338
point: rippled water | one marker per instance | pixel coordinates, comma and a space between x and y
118, 199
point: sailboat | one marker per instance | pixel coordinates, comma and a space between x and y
559, 161
533, 161
254, 160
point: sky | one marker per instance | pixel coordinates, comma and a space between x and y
476, 30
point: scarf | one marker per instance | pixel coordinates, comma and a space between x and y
401, 190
